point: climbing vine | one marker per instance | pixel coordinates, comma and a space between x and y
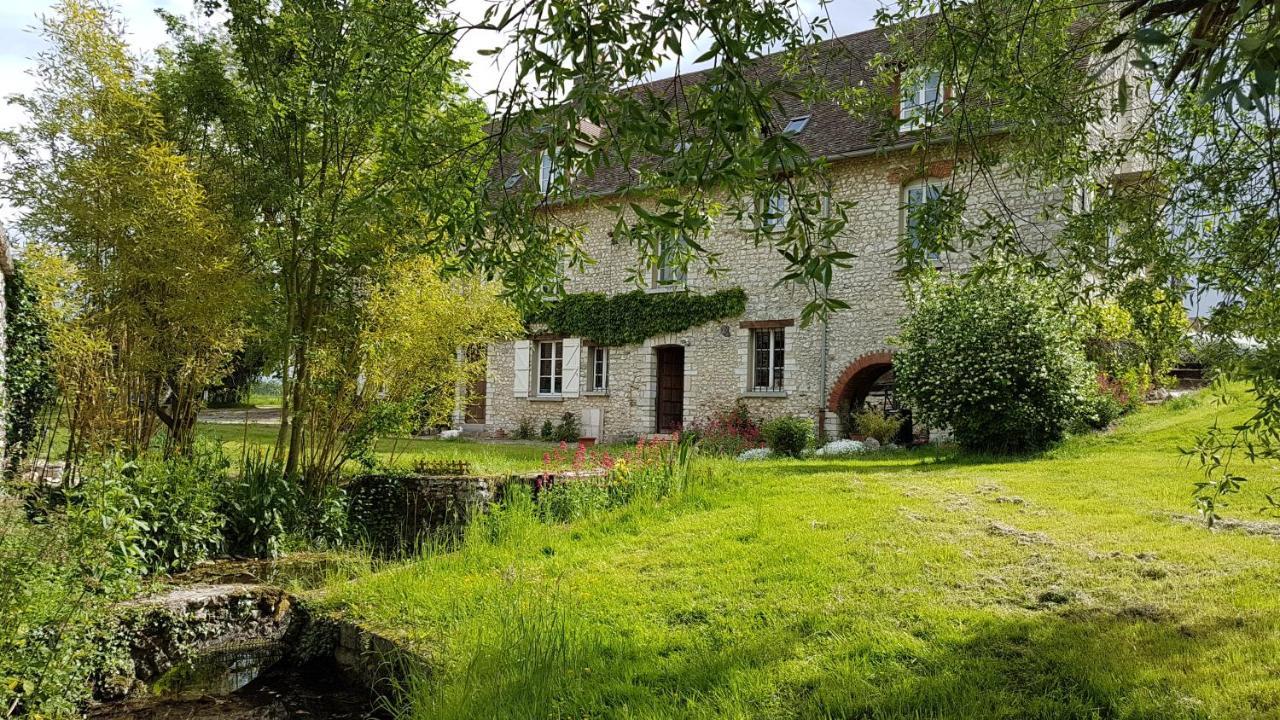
28, 379
631, 318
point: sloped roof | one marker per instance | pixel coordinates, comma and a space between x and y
832, 131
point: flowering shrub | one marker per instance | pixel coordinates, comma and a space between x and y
763, 453
589, 480
728, 431
996, 360
841, 448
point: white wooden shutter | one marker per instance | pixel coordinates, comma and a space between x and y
572, 386
520, 384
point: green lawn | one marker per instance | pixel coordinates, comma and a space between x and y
904, 586
485, 457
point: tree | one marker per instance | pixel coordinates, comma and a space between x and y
995, 359
411, 331
154, 282
350, 125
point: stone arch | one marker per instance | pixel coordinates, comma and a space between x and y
858, 377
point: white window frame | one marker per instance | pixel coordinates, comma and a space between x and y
668, 275
555, 369
598, 368
550, 172
796, 125
928, 186
914, 106
777, 205
775, 359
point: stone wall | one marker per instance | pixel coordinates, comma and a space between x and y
394, 513
717, 354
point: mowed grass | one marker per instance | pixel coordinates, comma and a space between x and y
906, 585
485, 457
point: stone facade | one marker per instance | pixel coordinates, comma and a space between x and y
717, 355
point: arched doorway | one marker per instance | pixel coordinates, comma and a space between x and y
867, 384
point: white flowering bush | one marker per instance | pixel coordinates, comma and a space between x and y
842, 448
996, 360
755, 454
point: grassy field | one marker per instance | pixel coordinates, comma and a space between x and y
485, 457
905, 585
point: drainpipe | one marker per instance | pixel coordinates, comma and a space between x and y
822, 394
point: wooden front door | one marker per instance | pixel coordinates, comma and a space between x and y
670, 400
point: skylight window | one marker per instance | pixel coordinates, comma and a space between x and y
796, 125
511, 181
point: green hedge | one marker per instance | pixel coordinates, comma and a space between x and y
632, 318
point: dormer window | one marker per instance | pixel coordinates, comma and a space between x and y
920, 100
550, 173
796, 125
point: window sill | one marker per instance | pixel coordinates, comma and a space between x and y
765, 394
655, 289
596, 393
546, 398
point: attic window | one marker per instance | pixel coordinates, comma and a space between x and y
919, 101
796, 125
511, 181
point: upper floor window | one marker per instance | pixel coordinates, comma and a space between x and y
550, 367
919, 100
915, 197
550, 172
598, 357
768, 356
668, 271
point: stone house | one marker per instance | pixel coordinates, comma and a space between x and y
764, 358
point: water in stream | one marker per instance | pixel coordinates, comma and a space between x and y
317, 690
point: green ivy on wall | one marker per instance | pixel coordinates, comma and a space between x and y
28, 378
631, 318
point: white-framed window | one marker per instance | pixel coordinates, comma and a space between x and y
598, 357
768, 357
795, 125
915, 195
668, 272
775, 211
550, 367
918, 101
550, 172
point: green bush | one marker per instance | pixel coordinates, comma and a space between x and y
996, 360
875, 424
62, 575
788, 435
174, 504
568, 430
524, 431
1101, 408
548, 431
260, 505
